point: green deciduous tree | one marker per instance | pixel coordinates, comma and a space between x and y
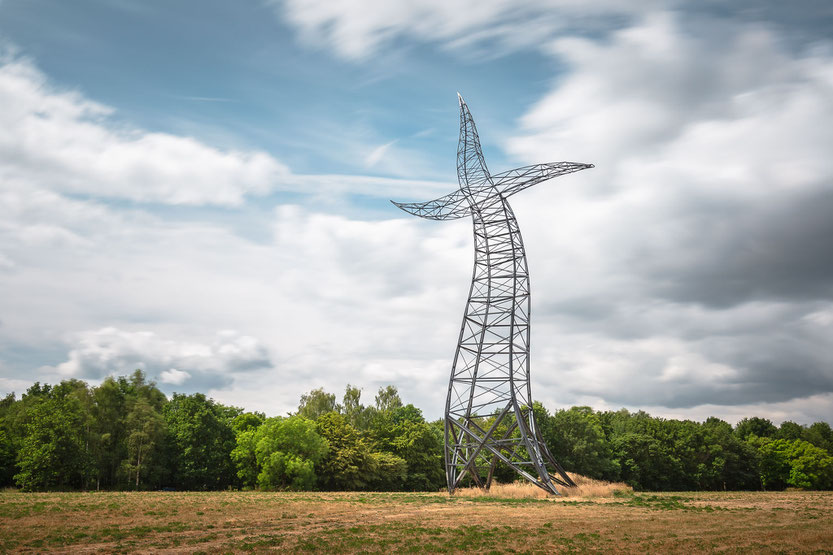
287, 451
316, 403
789, 430
577, 441
388, 472
645, 463
773, 462
244, 457
109, 413
9, 408
403, 432
200, 443
112, 403
347, 464
724, 461
351, 402
359, 416
811, 467
55, 452
112, 436
352, 463
247, 421
145, 430
795, 463
819, 434
761, 427
282, 453
388, 399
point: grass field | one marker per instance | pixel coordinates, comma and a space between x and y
415, 522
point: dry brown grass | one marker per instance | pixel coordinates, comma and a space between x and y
589, 487
366, 522
585, 488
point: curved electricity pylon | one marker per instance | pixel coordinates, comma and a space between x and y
488, 411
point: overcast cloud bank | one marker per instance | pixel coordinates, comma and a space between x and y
689, 274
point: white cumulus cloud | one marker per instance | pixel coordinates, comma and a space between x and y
61, 140
356, 29
113, 351
174, 376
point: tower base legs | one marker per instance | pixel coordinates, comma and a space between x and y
510, 437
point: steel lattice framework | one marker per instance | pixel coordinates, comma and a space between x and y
488, 411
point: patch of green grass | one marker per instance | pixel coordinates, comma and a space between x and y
672, 503
118, 533
263, 541
658, 502
408, 538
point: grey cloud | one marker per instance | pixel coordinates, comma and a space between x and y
176, 365
696, 267
800, 21
780, 370
198, 382
359, 29
767, 249
581, 308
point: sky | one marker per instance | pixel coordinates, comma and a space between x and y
200, 189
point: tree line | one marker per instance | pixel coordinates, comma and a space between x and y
125, 434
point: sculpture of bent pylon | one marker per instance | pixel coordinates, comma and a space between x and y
488, 410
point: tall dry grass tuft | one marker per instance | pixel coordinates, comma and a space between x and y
589, 487
585, 487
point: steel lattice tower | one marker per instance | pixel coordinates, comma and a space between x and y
488, 411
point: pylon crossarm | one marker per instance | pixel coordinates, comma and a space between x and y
449, 207
514, 181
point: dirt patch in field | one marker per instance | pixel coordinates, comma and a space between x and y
415, 522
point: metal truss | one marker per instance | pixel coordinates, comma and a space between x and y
488, 411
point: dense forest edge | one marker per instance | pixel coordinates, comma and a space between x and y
125, 434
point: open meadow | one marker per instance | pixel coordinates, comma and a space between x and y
415, 522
